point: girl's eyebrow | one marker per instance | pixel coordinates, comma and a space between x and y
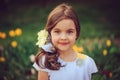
59, 29
71, 29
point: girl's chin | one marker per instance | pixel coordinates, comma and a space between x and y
63, 49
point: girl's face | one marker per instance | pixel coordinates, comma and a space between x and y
63, 35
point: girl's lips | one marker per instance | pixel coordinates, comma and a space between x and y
63, 43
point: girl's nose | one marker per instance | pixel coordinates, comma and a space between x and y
63, 36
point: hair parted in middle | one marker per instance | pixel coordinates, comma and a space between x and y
62, 11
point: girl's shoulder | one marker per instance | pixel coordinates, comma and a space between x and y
87, 62
85, 58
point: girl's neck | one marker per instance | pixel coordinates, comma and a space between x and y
68, 56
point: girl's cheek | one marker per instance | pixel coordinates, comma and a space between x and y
53, 39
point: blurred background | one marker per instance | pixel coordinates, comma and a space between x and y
21, 20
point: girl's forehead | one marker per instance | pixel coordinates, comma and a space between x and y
65, 24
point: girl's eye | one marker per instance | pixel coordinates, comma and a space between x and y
57, 32
69, 32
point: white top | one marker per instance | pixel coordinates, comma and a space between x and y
79, 69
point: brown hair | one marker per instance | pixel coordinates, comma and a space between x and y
62, 11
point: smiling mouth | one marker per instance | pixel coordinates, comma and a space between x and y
63, 43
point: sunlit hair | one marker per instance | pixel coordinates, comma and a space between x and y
62, 11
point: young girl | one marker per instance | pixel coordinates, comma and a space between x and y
57, 60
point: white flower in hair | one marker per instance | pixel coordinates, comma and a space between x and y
42, 38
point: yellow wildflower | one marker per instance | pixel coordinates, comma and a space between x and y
18, 31
80, 49
12, 33
105, 52
42, 37
3, 35
2, 59
108, 42
14, 44
75, 48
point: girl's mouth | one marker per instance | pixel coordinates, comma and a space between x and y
62, 43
